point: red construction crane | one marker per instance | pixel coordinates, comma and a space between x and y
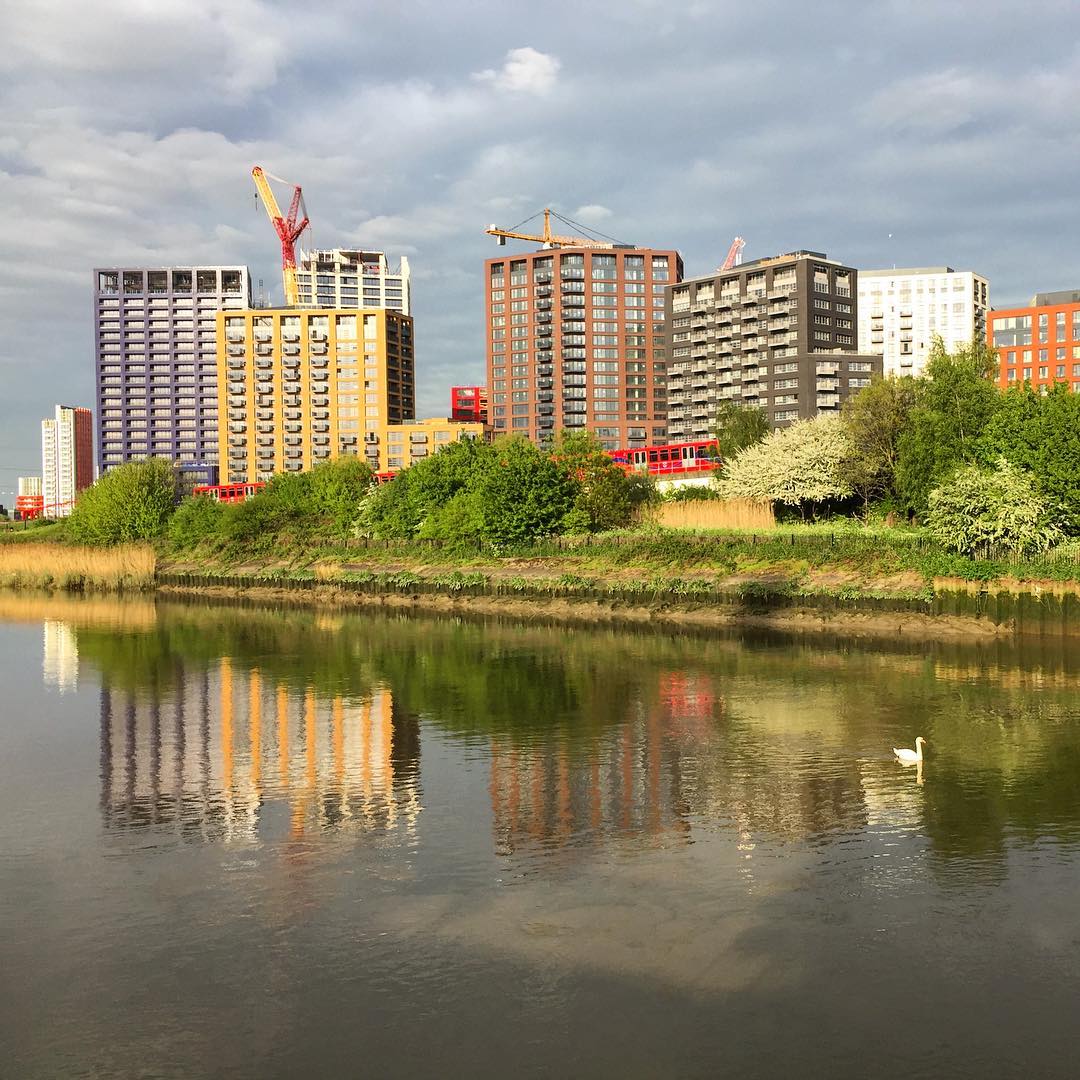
287, 228
734, 255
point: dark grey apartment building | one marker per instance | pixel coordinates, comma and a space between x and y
777, 333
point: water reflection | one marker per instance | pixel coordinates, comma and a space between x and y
233, 724
60, 662
212, 758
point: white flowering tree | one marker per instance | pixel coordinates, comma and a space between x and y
977, 510
807, 463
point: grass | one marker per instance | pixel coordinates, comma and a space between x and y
60, 566
18, 532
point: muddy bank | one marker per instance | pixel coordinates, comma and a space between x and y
908, 625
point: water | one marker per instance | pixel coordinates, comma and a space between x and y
266, 843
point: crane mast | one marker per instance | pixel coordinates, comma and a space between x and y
288, 228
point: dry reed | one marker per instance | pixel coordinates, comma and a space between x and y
717, 514
58, 566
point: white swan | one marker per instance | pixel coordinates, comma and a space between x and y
910, 757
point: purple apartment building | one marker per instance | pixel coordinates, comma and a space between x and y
155, 356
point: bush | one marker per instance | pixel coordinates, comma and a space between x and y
979, 509
523, 494
398, 510
194, 522
130, 502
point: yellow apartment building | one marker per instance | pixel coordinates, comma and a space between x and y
402, 445
297, 386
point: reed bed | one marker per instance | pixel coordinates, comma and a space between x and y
57, 566
717, 514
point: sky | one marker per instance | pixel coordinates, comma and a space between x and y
884, 133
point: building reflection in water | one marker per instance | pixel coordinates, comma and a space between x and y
60, 659
627, 782
216, 754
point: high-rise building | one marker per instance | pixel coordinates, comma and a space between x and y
575, 340
776, 333
1040, 343
303, 385
349, 278
29, 500
156, 358
469, 403
67, 459
902, 311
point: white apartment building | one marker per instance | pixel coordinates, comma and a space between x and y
66, 459
349, 278
902, 311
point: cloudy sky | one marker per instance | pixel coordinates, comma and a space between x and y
128, 129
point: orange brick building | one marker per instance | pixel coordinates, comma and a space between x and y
1040, 343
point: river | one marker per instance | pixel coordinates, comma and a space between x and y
251, 842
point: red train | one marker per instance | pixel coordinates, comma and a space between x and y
229, 493
672, 460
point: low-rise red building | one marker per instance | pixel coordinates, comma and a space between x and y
469, 403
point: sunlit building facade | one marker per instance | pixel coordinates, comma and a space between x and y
67, 459
298, 386
1040, 343
575, 340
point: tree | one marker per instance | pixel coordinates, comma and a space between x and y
606, 496
1041, 433
875, 418
337, 489
738, 427
523, 494
195, 521
977, 509
130, 502
953, 405
806, 463
399, 509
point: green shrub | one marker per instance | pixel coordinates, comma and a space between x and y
977, 510
195, 521
130, 502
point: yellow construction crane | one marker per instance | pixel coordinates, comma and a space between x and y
549, 239
287, 228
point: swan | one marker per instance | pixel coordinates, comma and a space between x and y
910, 757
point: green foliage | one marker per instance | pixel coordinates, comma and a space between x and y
398, 510
696, 493
1041, 433
523, 493
952, 407
739, 427
875, 419
980, 509
130, 502
801, 465
606, 496
337, 489
194, 522
460, 521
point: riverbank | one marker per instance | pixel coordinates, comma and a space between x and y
844, 583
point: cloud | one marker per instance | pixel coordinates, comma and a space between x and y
591, 212
129, 130
526, 71
236, 46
